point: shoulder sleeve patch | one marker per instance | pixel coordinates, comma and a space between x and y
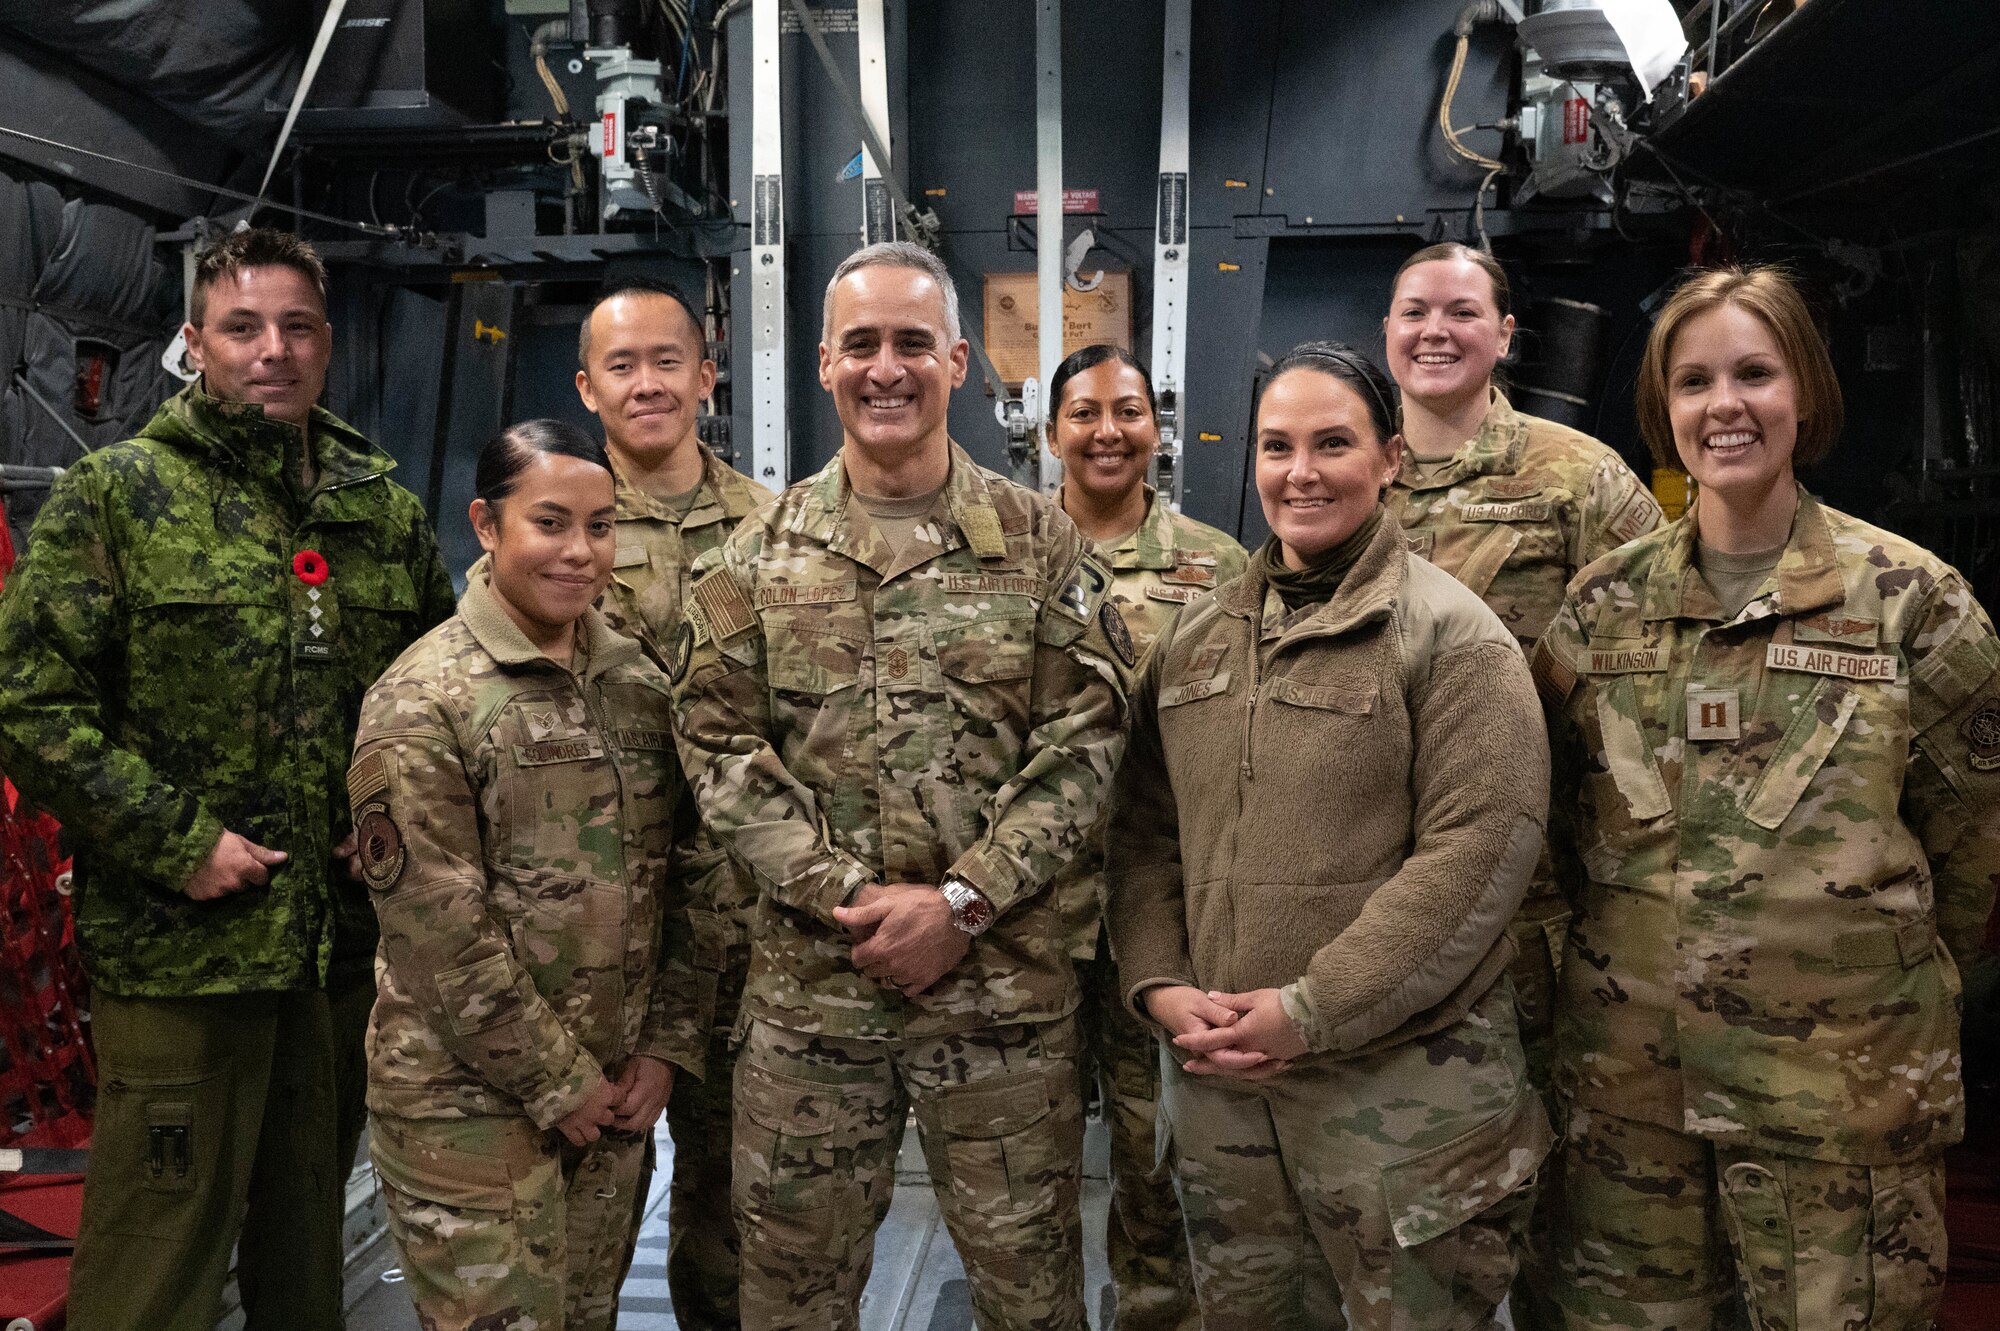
725, 611
1982, 735
1639, 514
1115, 632
1555, 677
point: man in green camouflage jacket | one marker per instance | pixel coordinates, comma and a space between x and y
187, 644
901, 693
645, 372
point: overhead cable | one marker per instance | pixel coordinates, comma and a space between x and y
203, 185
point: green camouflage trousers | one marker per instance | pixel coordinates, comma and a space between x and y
504, 1227
818, 1125
1145, 1241
702, 1254
1396, 1183
1662, 1229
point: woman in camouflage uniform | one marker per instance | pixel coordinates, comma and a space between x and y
1777, 739
1104, 430
513, 788
1512, 506
1330, 804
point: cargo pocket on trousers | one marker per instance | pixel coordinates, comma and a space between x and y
783, 1156
451, 1213
1460, 1210
1906, 1243
163, 1136
1001, 1165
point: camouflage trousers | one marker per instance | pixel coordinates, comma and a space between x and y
1538, 930
818, 1125
1662, 1229
504, 1227
702, 1252
1396, 1183
1145, 1240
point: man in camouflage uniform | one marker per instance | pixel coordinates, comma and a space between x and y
644, 372
1165, 562
517, 817
901, 689
1780, 816
187, 643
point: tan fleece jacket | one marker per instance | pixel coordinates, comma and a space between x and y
1348, 808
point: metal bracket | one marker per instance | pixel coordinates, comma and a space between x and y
769, 458
1073, 262
1170, 251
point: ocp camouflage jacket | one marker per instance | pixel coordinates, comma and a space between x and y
649, 580
1167, 562
1522, 506
1776, 820
851, 715
168, 675
515, 826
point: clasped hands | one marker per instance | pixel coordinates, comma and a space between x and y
631, 1102
902, 935
1246, 1036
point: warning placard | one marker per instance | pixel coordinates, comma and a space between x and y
1013, 328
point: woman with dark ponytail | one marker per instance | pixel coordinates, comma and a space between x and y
1332, 798
513, 788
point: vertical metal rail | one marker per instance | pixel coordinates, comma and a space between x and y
1170, 252
769, 460
878, 214
1048, 222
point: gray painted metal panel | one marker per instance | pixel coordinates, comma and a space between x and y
1353, 134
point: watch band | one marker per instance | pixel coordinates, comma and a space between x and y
971, 912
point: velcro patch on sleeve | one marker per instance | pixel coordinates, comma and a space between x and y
1639, 514
726, 611
1555, 678
367, 778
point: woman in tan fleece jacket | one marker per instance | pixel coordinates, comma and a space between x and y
1332, 801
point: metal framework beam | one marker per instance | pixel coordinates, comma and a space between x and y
878, 213
1170, 252
1048, 221
769, 457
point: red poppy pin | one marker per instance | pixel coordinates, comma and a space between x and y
309, 566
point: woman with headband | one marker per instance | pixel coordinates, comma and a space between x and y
1331, 802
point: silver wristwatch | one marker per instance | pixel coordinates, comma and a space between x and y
971, 912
